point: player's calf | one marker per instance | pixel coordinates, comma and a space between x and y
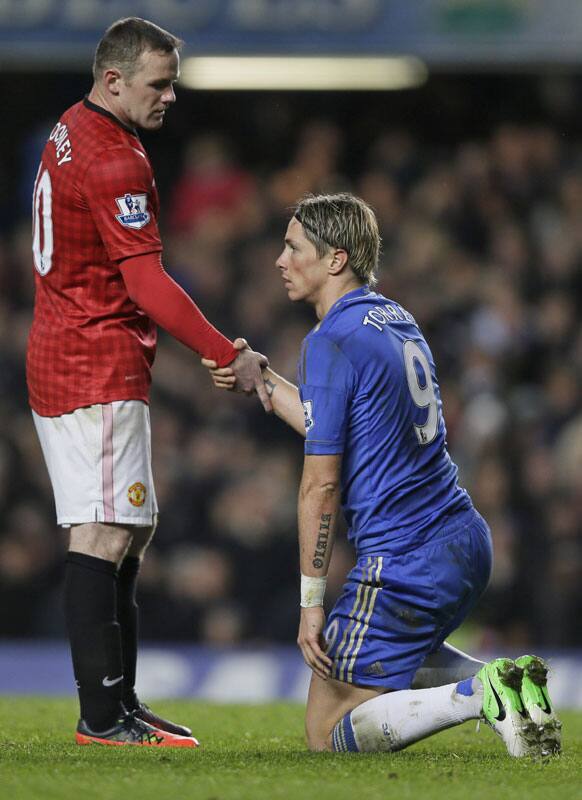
398, 719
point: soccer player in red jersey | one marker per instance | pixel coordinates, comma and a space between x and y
101, 289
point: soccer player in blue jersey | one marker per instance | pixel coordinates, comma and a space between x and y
369, 406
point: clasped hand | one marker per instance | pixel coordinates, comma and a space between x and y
243, 374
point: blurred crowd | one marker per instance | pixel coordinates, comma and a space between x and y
482, 243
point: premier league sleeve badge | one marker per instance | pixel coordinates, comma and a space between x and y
133, 208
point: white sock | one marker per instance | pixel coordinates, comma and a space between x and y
394, 720
446, 665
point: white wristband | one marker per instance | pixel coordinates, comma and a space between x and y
312, 591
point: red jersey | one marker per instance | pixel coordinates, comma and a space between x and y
95, 203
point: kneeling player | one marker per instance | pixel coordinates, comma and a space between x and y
369, 406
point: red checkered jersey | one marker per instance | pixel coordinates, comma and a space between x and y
95, 203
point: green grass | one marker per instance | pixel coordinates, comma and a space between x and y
256, 752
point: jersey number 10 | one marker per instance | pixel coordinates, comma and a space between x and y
43, 192
423, 396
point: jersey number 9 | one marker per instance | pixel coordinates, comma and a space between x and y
423, 396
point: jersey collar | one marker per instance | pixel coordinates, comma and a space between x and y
355, 294
103, 111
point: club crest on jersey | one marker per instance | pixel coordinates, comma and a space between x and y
134, 213
136, 494
308, 414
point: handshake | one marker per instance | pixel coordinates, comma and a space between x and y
245, 374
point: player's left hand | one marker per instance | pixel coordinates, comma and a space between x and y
248, 371
311, 642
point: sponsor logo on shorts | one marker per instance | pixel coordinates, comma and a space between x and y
330, 635
136, 494
377, 668
133, 209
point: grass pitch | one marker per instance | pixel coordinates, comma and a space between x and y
256, 752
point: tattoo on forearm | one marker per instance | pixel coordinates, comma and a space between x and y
322, 541
270, 386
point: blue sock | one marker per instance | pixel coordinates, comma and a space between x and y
342, 738
466, 687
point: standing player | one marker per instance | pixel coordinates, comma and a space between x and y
369, 406
100, 290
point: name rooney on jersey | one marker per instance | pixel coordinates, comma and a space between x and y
63, 149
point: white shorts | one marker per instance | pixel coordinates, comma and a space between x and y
99, 463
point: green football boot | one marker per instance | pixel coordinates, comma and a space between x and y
536, 699
503, 709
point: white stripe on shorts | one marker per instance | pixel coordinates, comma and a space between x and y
107, 459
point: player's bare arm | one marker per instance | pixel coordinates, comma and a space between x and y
318, 509
285, 400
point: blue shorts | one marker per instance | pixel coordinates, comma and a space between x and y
396, 609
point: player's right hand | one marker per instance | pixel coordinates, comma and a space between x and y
311, 642
244, 374
224, 377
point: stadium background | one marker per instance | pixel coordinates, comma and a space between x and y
476, 177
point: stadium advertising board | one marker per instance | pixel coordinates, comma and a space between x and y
485, 32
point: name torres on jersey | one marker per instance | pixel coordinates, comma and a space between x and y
379, 316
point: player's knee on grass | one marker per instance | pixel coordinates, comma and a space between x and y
318, 741
318, 731
327, 703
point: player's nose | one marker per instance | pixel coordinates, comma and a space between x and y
169, 95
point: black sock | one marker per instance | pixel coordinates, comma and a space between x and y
127, 616
90, 597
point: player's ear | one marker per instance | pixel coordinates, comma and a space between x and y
112, 79
338, 261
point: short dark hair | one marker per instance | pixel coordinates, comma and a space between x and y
346, 222
125, 40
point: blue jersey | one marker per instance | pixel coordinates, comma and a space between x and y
369, 390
